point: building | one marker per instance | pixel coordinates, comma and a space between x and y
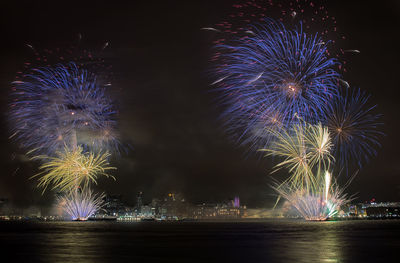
4, 209
372, 210
204, 211
383, 210
227, 210
114, 206
173, 207
147, 211
236, 202
139, 202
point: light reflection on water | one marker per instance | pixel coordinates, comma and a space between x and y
72, 245
317, 242
331, 247
268, 241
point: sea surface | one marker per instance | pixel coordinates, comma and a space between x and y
261, 241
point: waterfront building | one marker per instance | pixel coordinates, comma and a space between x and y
383, 210
227, 210
139, 202
114, 206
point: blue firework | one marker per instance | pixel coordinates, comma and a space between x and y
355, 128
273, 78
63, 105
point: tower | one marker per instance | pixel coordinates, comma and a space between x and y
139, 202
236, 202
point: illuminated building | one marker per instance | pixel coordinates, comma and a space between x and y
173, 207
139, 202
236, 202
383, 210
227, 210
114, 206
3, 206
204, 211
147, 211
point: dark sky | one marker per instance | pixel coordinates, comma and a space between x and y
168, 113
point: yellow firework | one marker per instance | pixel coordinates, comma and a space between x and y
319, 202
291, 147
302, 148
72, 168
319, 145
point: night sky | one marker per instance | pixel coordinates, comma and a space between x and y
167, 110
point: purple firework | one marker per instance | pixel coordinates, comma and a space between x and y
56, 106
355, 128
272, 79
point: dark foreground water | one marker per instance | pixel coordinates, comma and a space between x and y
268, 241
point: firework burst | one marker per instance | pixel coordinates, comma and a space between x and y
314, 15
72, 168
61, 105
273, 79
318, 203
80, 205
305, 150
354, 128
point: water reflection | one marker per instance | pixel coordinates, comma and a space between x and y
72, 242
264, 241
314, 242
331, 244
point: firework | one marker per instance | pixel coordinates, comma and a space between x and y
273, 79
354, 128
72, 168
317, 203
80, 205
61, 105
314, 15
319, 143
306, 151
311, 189
85, 55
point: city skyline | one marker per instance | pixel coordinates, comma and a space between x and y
171, 122
199, 131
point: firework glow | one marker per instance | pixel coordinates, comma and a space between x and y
313, 15
80, 205
273, 79
278, 74
317, 203
311, 189
72, 168
54, 106
305, 150
63, 117
354, 127
282, 94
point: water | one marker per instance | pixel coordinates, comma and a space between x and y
267, 241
